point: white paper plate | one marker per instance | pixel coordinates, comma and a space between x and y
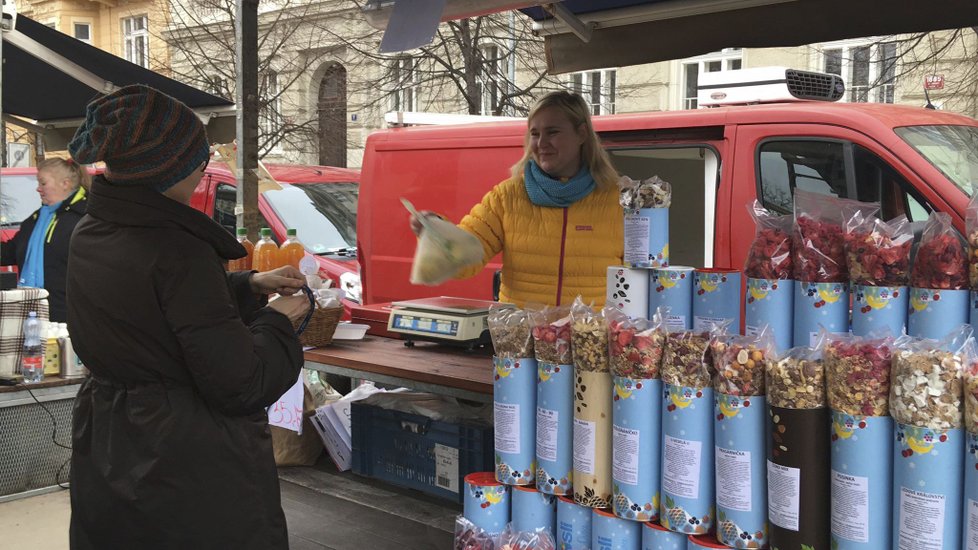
350, 331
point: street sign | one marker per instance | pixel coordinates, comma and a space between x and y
934, 82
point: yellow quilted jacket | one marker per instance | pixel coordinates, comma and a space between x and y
550, 255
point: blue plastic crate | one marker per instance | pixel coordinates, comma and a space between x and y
400, 448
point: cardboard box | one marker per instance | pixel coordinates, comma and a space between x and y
376, 317
333, 424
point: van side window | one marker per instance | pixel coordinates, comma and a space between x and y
832, 167
225, 197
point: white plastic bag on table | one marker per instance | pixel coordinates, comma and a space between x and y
443, 250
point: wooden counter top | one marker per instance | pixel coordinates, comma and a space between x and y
426, 362
48, 382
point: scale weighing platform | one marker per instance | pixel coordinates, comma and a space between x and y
447, 320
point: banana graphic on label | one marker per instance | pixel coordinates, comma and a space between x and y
830, 295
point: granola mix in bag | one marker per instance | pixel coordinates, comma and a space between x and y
770, 254
509, 328
796, 380
971, 395
971, 230
928, 386
551, 331
741, 362
878, 252
635, 346
688, 359
818, 239
858, 373
589, 337
941, 258
648, 193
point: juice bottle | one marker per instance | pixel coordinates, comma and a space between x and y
266, 252
292, 252
243, 264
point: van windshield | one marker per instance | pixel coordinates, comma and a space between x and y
19, 199
951, 149
323, 214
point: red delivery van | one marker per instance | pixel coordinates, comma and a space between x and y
911, 160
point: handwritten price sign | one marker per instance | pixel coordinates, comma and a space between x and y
287, 411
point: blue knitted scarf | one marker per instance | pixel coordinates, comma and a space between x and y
547, 191
32, 272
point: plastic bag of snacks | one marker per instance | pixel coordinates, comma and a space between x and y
770, 255
551, 331
971, 229
741, 362
648, 193
635, 346
509, 328
443, 250
796, 380
971, 396
941, 259
857, 372
818, 241
878, 252
687, 360
927, 386
525, 540
468, 536
589, 337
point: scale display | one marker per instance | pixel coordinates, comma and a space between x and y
424, 324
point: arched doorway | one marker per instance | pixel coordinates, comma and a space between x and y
332, 117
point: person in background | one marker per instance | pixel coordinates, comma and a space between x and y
40, 247
556, 220
170, 446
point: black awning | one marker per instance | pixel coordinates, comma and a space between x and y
39, 90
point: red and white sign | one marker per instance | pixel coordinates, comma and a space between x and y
934, 82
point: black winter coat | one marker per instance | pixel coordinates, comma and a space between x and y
55, 249
171, 445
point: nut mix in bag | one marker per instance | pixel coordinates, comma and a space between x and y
551, 330
770, 254
857, 369
509, 328
741, 361
797, 379
971, 230
927, 388
635, 346
685, 360
878, 252
589, 337
971, 396
940, 261
648, 193
818, 241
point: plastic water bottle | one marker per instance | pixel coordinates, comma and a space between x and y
32, 364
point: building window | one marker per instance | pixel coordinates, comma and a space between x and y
869, 70
406, 78
270, 117
135, 40
598, 88
729, 59
83, 32
493, 80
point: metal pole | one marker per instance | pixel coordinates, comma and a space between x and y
246, 99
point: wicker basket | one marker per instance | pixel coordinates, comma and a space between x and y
322, 325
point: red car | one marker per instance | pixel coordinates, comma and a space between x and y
320, 202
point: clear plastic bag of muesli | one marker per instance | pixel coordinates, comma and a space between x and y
468, 536
741, 361
540, 539
648, 193
878, 252
550, 327
635, 345
688, 359
509, 328
971, 235
796, 380
589, 337
857, 371
971, 395
927, 389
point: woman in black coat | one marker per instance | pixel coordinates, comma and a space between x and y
171, 446
40, 247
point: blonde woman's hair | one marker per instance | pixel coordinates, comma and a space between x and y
579, 113
69, 169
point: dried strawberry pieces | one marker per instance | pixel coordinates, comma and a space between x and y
858, 376
553, 342
770, 255
635, 354
819, 249
877, 260
940, 263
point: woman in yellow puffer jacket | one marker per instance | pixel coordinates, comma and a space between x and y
557, 220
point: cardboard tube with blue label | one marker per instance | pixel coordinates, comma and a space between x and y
672, 287
555, 428
934, 313
657, 537
610, 532
646, 225
636, 447
573, 525
876, 308
771, 302
716, 298
817, 306
486, 502
514, 419
533, 511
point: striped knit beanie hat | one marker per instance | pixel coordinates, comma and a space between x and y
144, 136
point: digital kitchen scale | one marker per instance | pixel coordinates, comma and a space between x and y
457, 321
